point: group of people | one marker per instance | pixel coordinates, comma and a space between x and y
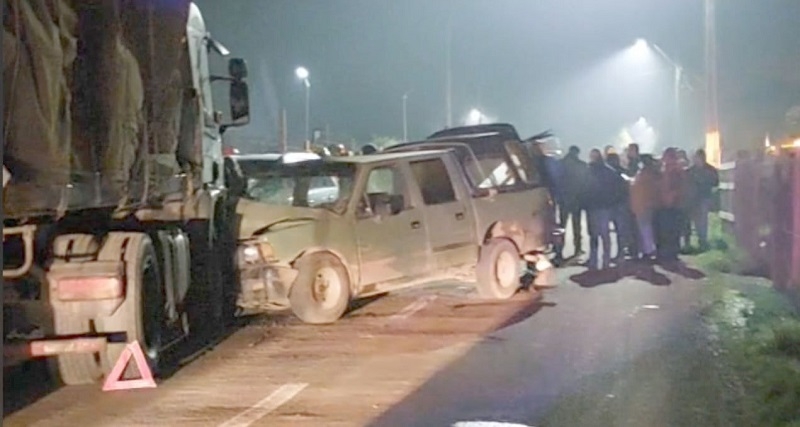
651, 203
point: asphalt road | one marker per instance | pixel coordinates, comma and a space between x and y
624, 348
615, 349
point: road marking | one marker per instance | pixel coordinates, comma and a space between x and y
270, 403
487, 424
412, 308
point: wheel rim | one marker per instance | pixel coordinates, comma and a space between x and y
327, 288
506, 269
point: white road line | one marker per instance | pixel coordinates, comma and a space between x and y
487, 424
412, 308
270, 403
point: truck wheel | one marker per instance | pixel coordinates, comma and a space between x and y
321, 292
498, 270
73, 369
141, 315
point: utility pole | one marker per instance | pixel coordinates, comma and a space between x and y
284, 143
405, 117
449, 75
713, 139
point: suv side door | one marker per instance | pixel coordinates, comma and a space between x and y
391, 232
451, 224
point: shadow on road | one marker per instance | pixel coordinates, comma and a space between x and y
680, 268
641, 271
525, 313
360, 303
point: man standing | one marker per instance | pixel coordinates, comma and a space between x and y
574, 180
633, 161
621, 215
605, 192
549, 169
703, 180
668, 218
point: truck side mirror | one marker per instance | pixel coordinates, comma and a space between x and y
240, 102
237, 68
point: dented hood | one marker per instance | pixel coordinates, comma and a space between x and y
257, 218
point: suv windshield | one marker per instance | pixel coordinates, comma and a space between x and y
307, 184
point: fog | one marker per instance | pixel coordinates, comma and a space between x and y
565, 65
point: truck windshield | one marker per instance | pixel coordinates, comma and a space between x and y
307, 184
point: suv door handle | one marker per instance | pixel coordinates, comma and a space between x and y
416, 224
460, 216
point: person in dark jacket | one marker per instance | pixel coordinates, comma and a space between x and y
686, 223
634, 161
621, 216
703, 179
668, 218
605, 192
574, 173
549, 170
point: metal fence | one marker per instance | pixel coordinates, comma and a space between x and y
759, 205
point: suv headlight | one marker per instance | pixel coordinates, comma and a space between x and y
250, 254
255, 252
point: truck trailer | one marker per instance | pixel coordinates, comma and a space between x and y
118, 224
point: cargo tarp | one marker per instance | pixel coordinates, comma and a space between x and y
94, 92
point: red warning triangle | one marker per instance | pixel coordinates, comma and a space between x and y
114, 381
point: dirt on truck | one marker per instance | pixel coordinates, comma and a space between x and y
315, 235
116, 197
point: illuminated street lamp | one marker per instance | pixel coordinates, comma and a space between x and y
303, 74
475, 116
640, 46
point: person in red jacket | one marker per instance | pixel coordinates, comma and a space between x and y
668, 218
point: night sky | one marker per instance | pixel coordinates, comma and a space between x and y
538, 64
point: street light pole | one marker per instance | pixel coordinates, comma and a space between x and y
449, 76
405, 118
303, 74
678, 77
676, 133
308, 112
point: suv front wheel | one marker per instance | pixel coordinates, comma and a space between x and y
498, 271
321, 292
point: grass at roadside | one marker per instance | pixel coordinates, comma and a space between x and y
725, 256
757, 332
758, 336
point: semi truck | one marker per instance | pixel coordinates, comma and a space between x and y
118, 223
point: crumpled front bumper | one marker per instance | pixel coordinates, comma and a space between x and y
265, 286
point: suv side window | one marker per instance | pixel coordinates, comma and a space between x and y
385, 192
434, 181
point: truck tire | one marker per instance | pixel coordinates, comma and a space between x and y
321, 292
498, 271
141, 315
73, 369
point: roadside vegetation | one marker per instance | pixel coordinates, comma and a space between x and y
757, 334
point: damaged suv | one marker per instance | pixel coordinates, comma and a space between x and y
316, 234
